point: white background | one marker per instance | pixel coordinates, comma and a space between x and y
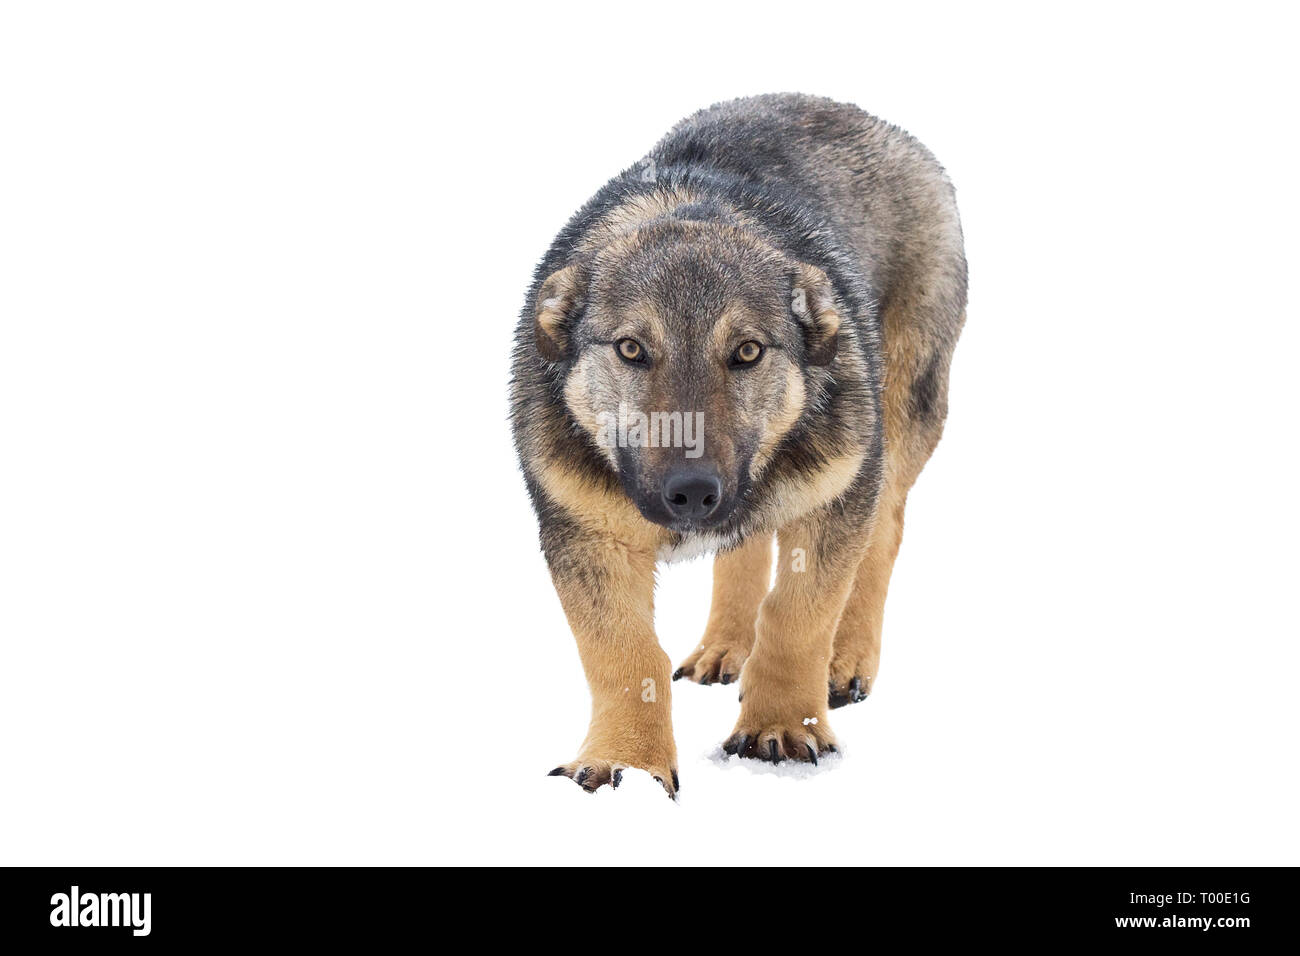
270, 590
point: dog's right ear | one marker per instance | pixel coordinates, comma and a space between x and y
559, 303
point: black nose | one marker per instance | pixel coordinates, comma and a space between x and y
692, 493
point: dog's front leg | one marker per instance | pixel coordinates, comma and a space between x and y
606, 585
783, 683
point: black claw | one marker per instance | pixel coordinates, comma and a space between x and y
725, 679
581, 776
740, 696
812, 753
742, 744
832, 748
556, 772
853, 695
677, 674
771, 749
618, 778
677, 784
729, 747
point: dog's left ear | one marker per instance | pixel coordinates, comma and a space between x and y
813, 305
559, 302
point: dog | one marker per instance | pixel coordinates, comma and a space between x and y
747, 334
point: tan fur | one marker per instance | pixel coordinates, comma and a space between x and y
857, 638
576, 391
813, 304
792, 407
741, 579
783, 684
597, 509
629, 216
555, 298
627, 672
793, 498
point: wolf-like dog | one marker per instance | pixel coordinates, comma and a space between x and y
746, 334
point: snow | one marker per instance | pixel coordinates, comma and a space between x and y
791, 769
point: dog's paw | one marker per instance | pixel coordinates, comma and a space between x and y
850, 681
715, 661
792, 738
591, 774
852, 691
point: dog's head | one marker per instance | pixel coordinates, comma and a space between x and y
684, 348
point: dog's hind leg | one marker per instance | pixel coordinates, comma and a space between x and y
856, 659
741, 578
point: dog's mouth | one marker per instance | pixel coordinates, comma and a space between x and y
656, 513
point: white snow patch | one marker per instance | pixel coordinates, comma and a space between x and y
790, 769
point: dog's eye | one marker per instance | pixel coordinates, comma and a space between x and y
747, 354
630, 350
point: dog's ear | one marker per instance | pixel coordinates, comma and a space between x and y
814, 308
559, 302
